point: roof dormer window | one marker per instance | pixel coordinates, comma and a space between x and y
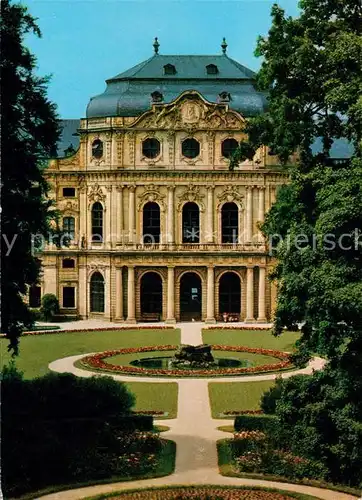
224, 97
156, 96
169, 69
211, 69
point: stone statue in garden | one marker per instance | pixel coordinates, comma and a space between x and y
194, 356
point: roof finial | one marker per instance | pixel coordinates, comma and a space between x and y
156, 45
224, 46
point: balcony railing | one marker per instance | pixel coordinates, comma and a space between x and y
257, 246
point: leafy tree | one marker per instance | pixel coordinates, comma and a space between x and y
29, 134
312, 73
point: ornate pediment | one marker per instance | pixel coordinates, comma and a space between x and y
229, 195
67, 206
191, 194
151, 193
96, 193
190, 112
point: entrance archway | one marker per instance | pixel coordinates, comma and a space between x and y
151, 296
190, 297
229, 294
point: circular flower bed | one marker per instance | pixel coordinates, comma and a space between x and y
97, 361
202, 493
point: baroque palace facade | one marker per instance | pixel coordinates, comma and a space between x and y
160, 228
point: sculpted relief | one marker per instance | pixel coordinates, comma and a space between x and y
190, 112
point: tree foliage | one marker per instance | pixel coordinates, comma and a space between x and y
312, 73
29, 134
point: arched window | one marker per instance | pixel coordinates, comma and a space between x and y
229, 294
190, 223
97, 293
151, 294
190, 148
212, 69
97, 222
228, 147
97, 149
151, 223
69, 227
229, 223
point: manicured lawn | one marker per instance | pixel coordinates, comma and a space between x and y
251, 338
36, 352
235, 396
153, 396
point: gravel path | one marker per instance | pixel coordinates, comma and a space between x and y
194, 431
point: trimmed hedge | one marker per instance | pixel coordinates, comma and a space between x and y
264, 423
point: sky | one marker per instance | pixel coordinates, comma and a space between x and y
84, 42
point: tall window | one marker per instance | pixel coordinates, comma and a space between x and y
68, 296
97, 222
151, 223
35, 296
97, 293
97, 149
190, 223
69, 227
229, 223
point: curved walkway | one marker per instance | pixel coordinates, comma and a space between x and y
195, 434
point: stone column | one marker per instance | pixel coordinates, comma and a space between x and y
119, 214
131, 296
107, 294
108, 237
82, 292
119, 294
261, 299
170, 215
210, 215
250, 295
249, 214
170, 295
83, 214
210, 310
131, 213
261, 209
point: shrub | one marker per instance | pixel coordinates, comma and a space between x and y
271, 396
49, 306
59, 429
264, 423
66, 396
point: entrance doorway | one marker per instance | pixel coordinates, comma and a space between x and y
151, 297
229, 294
190, 297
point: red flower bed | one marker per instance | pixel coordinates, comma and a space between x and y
202, 493
97, 361
243, 412
88, 330
242, 327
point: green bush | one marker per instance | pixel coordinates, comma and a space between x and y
264, 423
49, 306
60, 429
66, 396
271, 396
